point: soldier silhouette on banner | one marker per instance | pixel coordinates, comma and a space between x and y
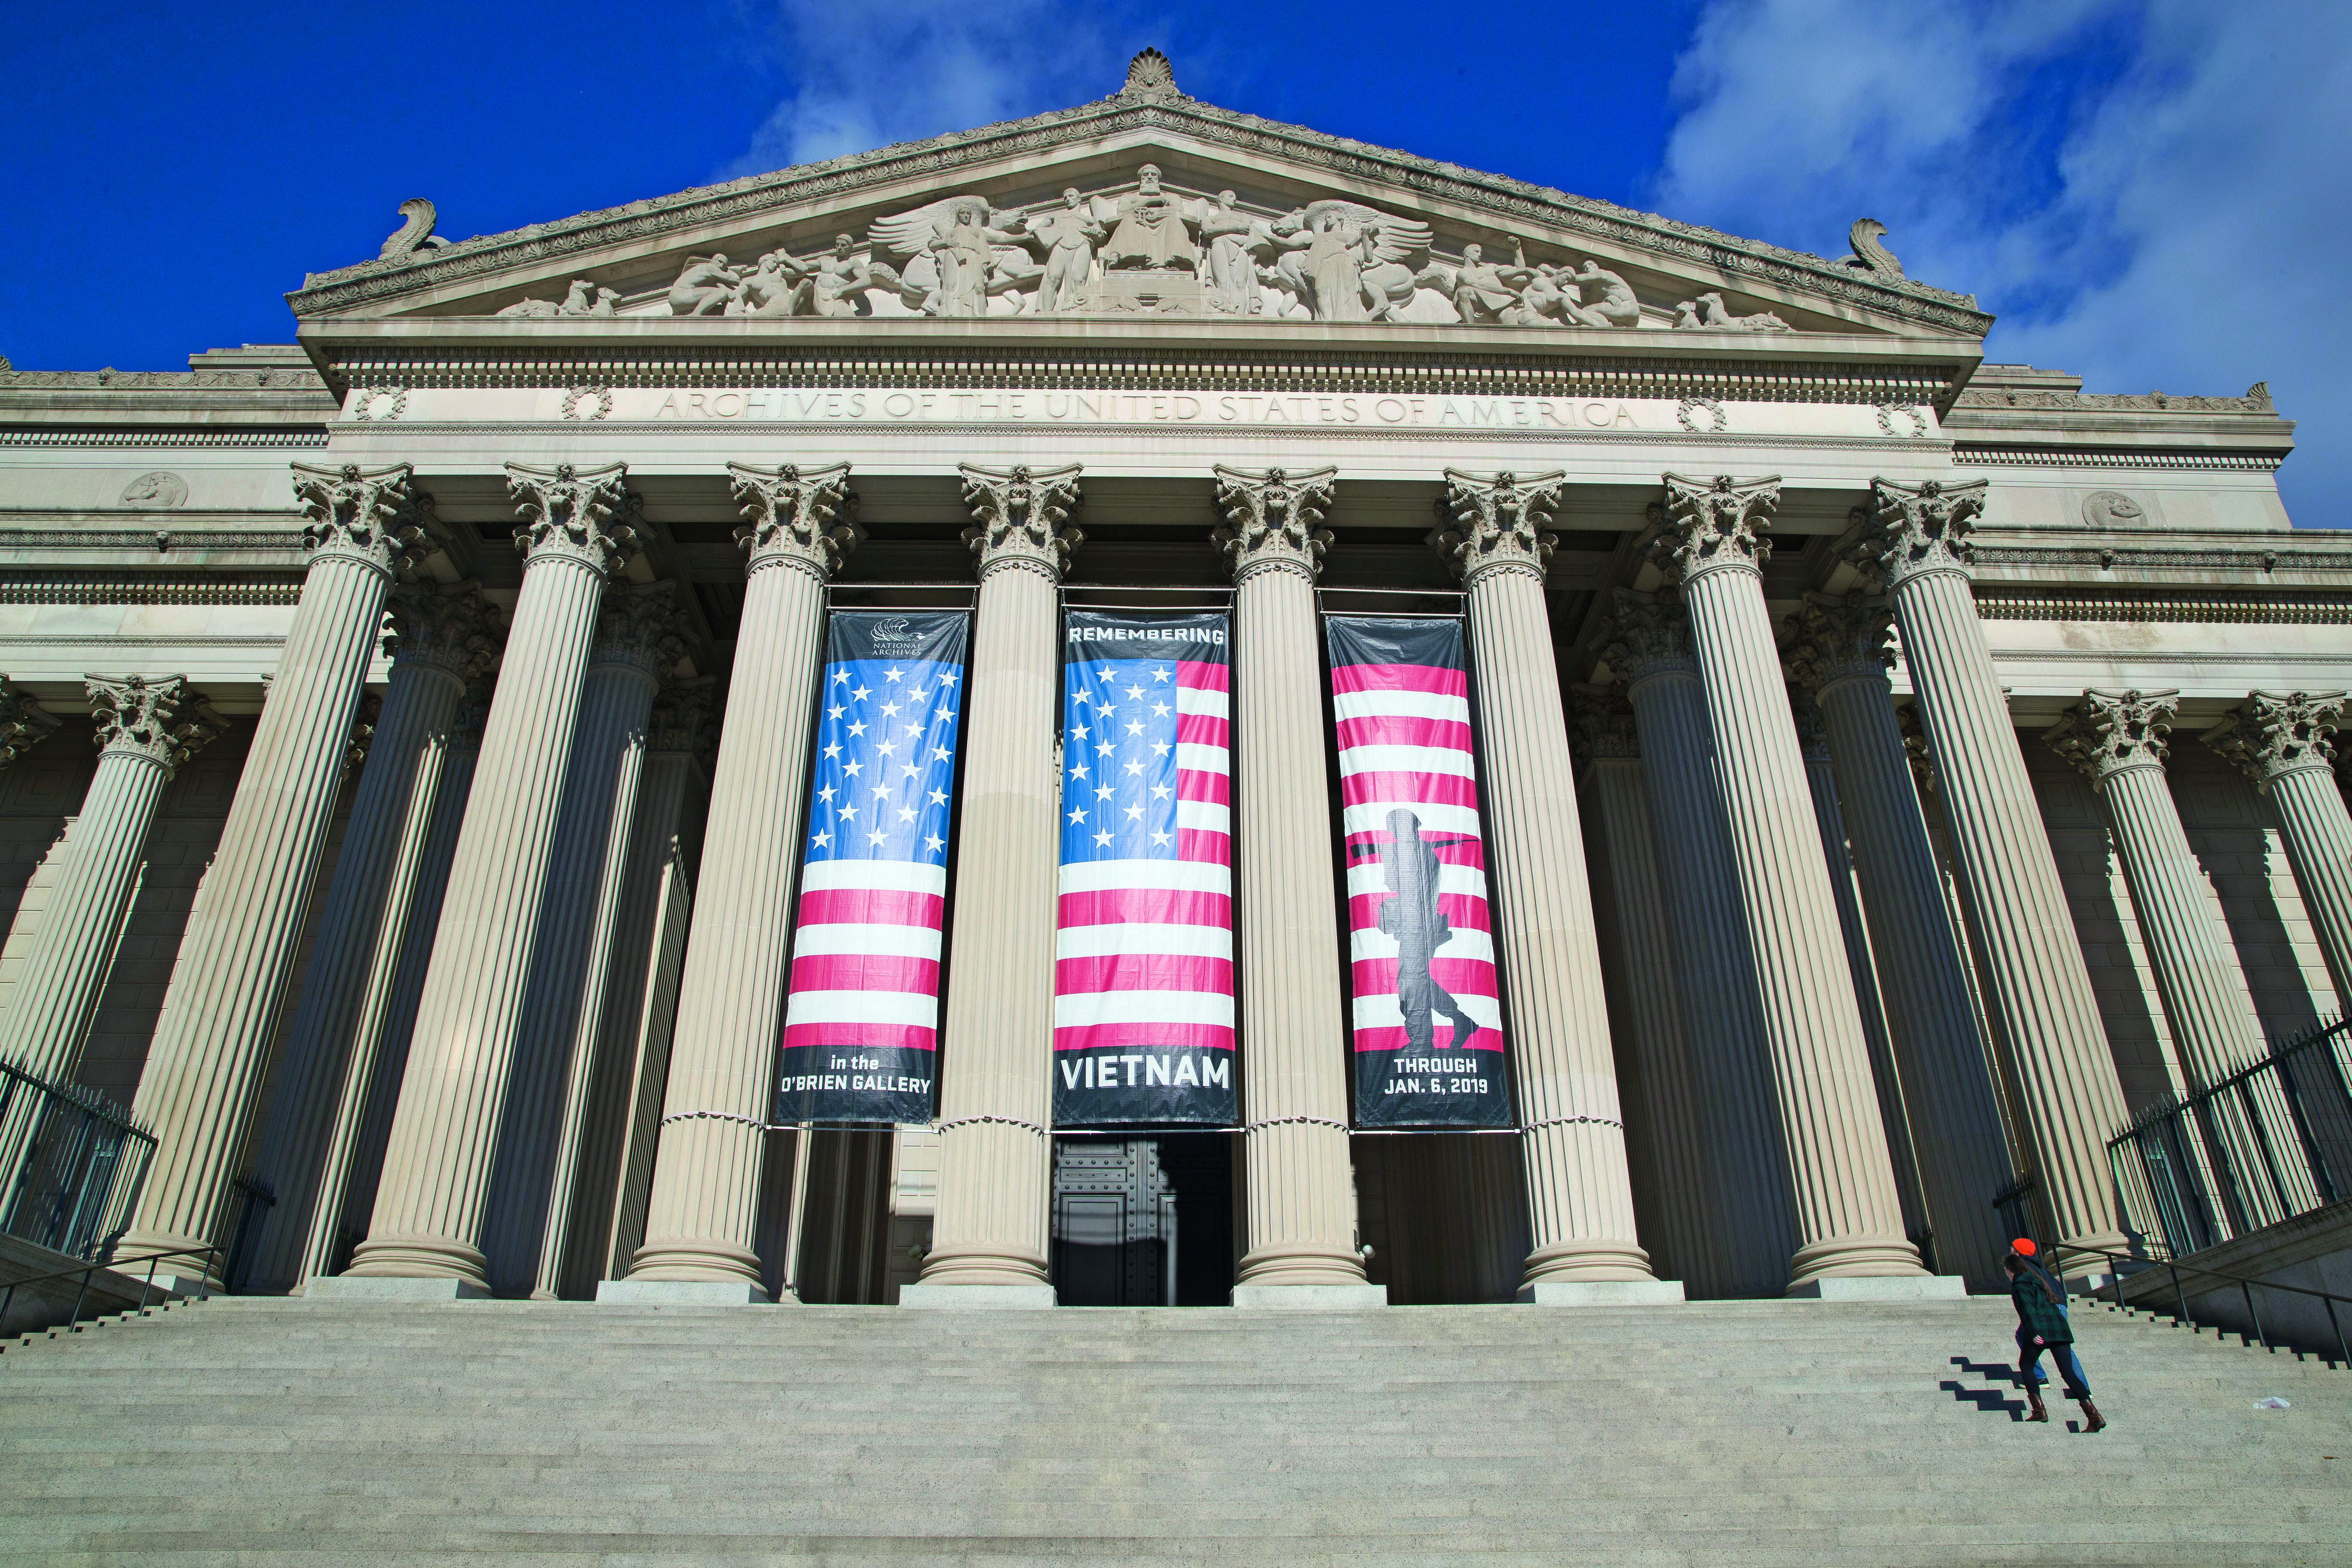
1411, 917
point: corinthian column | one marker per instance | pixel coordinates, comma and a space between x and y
988, 1240
436, 1186
2117, 740
23, 723
2283, 743
442, 636
1300, 1213
145, 729
702, 1217
2046, 1020
1572, 1132
1647, 643
203, 1080
1840, 653
1846, 1206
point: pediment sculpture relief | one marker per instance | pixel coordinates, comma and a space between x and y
1144, 248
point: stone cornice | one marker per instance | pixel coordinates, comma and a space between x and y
963, 155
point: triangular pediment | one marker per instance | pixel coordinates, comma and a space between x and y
1056, 215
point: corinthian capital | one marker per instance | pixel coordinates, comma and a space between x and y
1021, 517
2277, 733
639, 627
367, 515
447, 626
789, 517
2109, 731
569, 512
686, 721
1271, 519
1833, 639
161, 720
362, 735
1812, 733
1909, 530
1601, 721
1715, 523
1645, 635
23, 723
1494, 523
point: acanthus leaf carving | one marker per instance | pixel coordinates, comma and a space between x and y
1272, 519
1489, 523
1712, 524
1601, 723
1022, 516
569, 512
795, 516
1645, 635
447, 626
2280, 732
1908, 531
639, 625
368, 515
1831, 640
2109, 731
160, 719
23, 723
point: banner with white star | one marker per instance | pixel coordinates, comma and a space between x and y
1143, 949
862, 1014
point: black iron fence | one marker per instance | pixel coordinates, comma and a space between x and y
2269, 1142
71, 1165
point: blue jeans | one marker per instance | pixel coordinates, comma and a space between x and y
2070, 1366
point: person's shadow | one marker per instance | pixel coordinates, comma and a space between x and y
1991, 1401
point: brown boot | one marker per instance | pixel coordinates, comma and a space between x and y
2040, 1412
2098, 1422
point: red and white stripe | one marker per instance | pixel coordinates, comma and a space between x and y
1404, 741
865, 954
1143, 953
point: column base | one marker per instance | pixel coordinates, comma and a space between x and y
680, 1293
1603, 1293
1309, 1298
1882, 1288
984, 1298
391, 1287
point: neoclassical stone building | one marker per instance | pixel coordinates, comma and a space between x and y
430, 794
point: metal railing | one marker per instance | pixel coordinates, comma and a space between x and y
71, 1165
2270, 1141
211, 1255
2123, 1265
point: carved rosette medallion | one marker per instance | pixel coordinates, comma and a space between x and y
2109, 731
794, 517
23, 723
1022, 517
367, 515
2279, 733
1910, 530
1837, 639
1600, 722
1272, 521
568, 514
162, 721
447, 626
639, 627
1714, 524
1646, 635
1494, 523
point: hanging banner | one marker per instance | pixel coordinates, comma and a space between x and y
862, 1014
1144, 950
1427, 1016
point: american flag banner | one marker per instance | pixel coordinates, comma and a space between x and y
1144, 950
1428, 1018
862, 1013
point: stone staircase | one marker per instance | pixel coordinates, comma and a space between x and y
270, 1431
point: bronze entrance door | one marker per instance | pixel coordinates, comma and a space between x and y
1143, 1222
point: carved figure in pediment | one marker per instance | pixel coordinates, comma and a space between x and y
1709, 313
959, 251
1485, 293
704, 287
1069, 233
838, 281
1154, 230
584, 299
1350, 262
1616, 306
1233, 237
778, 286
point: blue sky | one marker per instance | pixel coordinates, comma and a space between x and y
2149, 193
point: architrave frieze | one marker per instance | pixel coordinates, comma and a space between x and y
961, 156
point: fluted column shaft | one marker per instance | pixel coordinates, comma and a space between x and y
2045, 1015
202, 1081
1754, 1229
1650, 991
994, 1160
419, 705
432, 1198
1955, 1127
1572, 1140
73, 949
1840, 1178
383, 1022
2317, 831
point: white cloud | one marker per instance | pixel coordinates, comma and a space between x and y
2150, 194
868, 75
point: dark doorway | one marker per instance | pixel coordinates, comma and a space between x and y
1144, 1222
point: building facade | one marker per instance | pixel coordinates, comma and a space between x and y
1825, 783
